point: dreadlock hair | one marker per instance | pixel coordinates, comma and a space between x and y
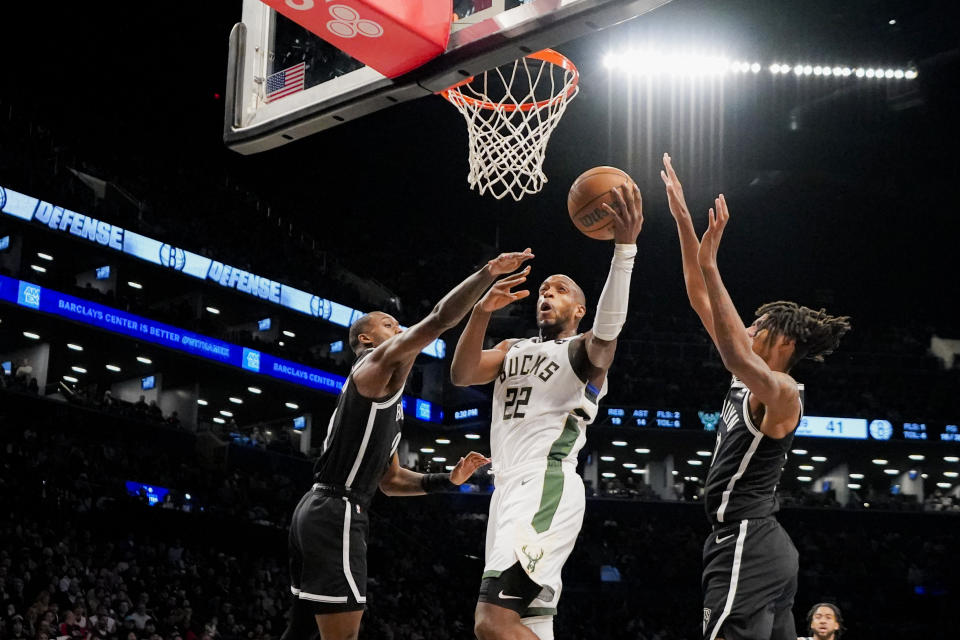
814, 333
836, 614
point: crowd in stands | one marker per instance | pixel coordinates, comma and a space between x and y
82, 558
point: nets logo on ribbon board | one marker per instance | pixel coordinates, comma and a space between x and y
172, 257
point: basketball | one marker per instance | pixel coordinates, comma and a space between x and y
588, 192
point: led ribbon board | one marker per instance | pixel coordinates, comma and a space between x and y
27, 294
60, 220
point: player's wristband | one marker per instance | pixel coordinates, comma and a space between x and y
436, 482
612, 307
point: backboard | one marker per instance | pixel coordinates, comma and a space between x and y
284, 83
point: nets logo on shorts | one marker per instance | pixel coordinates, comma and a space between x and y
706, 618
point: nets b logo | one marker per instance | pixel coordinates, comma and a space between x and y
706, 619
320, 307
172, 257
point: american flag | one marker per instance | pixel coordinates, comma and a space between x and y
283, 83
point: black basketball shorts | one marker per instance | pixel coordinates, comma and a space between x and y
328, 553
749, 582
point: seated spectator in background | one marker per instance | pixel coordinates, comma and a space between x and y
70, 629
140, 407
174, 420
153, 411
140, 617
24, 371
16, 629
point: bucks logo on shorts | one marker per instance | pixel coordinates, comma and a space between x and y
531, 559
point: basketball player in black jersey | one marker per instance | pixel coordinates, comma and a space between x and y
329, 527
749, 562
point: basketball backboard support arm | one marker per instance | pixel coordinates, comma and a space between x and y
252, 124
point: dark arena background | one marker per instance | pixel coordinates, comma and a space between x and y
159, 423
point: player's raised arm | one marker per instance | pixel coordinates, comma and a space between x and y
472, 364
387, 367
776, 390
689, 246
601, 340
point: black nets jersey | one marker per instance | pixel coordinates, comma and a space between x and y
362, 437
746, 464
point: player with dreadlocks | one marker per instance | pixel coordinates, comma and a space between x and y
749, 562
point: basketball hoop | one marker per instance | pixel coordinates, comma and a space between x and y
511, 112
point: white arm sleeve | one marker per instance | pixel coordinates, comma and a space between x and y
612, 307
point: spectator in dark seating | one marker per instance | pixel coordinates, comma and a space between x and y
24, 371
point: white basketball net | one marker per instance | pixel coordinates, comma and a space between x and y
508, 133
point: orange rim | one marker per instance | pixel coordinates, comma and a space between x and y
547, 55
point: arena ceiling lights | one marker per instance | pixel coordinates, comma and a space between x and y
654, 64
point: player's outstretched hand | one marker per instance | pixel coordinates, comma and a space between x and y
507, 262
678, 205
465, 468
627, 213
501, 293
707, 256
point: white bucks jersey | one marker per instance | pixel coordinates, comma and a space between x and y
540, 406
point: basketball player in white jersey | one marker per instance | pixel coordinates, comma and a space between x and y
545, 394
